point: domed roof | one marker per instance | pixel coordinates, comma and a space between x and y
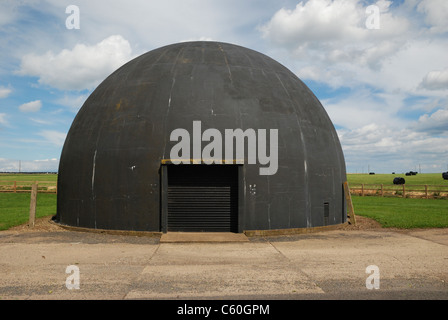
109, 175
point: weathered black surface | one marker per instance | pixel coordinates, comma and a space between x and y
109, 174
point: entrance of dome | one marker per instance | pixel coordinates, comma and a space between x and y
200, 198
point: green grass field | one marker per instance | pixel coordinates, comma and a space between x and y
387, 179
28, 177
402, 212
23, 182
15, 208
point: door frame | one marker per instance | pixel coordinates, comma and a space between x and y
164, 193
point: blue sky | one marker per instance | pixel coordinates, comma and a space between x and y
385, 89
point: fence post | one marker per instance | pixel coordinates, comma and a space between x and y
426, 191
404, 191
362, 190
15, 186
382, 191
33, 203
348, 199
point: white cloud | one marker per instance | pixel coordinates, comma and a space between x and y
405, 70
8, 165
375, 132
54, 137
73, 102
328, 42
151, 24
435, 80
3, 120
322, 29
314, 22
199, 39
387, 149
8, 11
4, 92
32, 106
44, 165
436, 12
81, 68
41, 121
436, 123
364, 108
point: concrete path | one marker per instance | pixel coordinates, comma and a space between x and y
206, 237
326, 265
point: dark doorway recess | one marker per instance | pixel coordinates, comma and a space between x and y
202, 198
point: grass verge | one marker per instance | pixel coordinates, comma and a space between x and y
403, 213
15, 208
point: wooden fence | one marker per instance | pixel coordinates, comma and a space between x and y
26, 186
404, 190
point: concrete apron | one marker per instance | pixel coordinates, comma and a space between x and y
195, 237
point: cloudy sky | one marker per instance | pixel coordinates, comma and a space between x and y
381, 72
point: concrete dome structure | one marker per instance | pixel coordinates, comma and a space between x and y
151, 148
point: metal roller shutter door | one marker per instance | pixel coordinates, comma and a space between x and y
203, 198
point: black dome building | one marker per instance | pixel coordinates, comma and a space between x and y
201, 136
